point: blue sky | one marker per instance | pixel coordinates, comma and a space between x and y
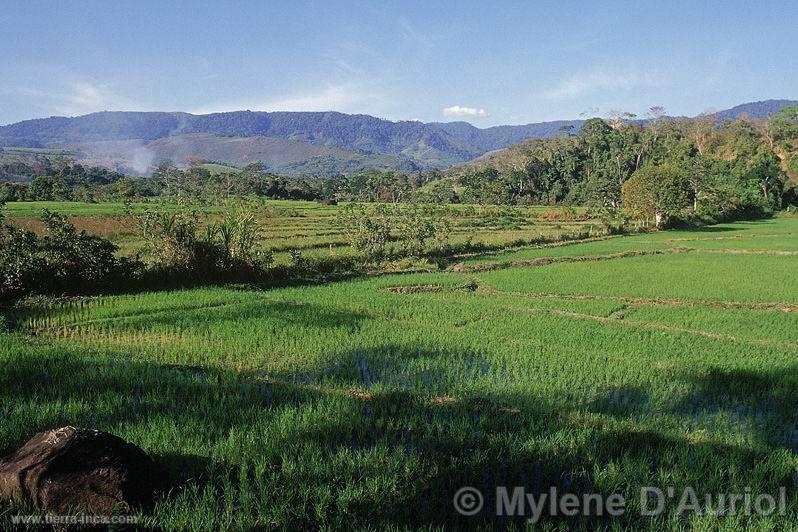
485, 62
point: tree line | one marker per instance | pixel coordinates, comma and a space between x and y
741, 168
736, 169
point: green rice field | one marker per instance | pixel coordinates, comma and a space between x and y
312, 228
663, 359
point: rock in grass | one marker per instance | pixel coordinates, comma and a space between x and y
70, 470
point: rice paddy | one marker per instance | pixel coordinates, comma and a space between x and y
664, 360
312, 228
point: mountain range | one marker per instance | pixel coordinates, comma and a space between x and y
293, 143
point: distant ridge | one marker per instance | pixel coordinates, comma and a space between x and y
758, 110
313, 143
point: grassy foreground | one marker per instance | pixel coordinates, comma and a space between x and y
663, 360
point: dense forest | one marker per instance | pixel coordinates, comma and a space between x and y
740, 168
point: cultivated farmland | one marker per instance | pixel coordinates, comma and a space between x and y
312, 228
663, 359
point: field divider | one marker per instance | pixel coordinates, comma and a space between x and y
513, 249
142, 314
653, 326
639, 301
739, 236
731, 251
545, 261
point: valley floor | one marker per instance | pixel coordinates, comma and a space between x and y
663, 360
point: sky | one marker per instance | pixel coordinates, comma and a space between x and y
485, 62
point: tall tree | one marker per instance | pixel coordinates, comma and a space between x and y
656, 192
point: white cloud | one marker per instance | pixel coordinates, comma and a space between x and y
86, 97
75, 98
459, 111
329, 99
343, 98
588, 82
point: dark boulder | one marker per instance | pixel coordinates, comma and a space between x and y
71, 470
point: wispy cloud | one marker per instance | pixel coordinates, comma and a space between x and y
459, 111
74, 98
588, 82
344, 98
331, 98
422, 42
580, 45
355, 60
88, 97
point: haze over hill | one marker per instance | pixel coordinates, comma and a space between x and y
294, 143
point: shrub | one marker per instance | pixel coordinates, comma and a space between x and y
60, 261
237, 235
443, 230
613, 221
367, 232
171, 238
296, 260
414, 228
411, 228
223, 251
562, 214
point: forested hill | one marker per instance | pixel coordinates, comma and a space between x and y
361, 133
357, 138
760, 110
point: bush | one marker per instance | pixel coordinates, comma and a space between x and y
726, 202
225, 250
411, 228
367, 232
613, 221
414, 228
62, 261
562, 214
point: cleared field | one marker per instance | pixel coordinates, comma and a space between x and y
11, 151
367, 404
216, 169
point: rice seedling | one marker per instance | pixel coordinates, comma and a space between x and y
368, 403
